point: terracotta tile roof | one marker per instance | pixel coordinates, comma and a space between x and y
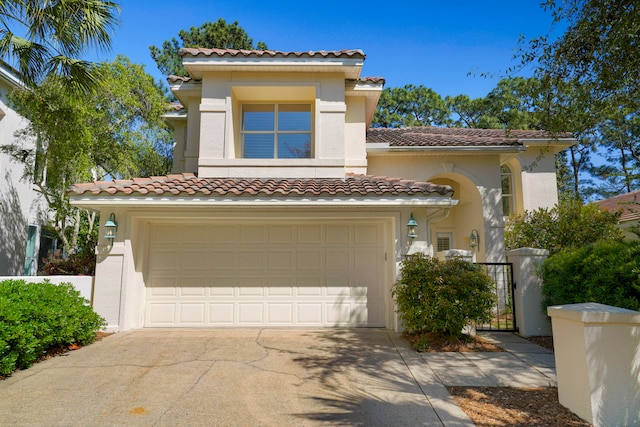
629, 203
271, 53
176, 79
376, 79
438, 137
189, 184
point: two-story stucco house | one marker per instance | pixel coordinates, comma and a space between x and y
285, 209
22, 209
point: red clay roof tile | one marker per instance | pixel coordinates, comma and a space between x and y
272, 53
352, 184
452, 137
628, 203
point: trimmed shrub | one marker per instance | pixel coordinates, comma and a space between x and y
604, 272
36, 317
442, 297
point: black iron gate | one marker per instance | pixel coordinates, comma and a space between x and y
504, 313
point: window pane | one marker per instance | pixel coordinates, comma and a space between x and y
506, 184
294, 117
294, 146
258, 117
506, 205
258, 146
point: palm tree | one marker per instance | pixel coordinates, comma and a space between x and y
47, 37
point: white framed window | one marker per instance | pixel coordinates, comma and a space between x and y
506, 179
444, 241
276, 131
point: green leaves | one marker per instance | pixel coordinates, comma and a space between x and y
607, 272
442, 297
569, 224
35, 317
114, 131
411, 106
47, 38
217, 34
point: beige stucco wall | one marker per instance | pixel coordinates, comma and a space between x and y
597, 352
538, 179
212, 147
476, 180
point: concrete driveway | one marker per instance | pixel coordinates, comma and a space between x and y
254, 377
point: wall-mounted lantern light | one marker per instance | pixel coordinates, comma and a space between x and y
412, 225
110, 228
474, 239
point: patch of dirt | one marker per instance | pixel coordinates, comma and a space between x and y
433, 343
546, 342
509, 406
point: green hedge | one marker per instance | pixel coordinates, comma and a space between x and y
35, 317
605, 272
442, 297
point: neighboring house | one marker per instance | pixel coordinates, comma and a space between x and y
629, 204
21, 207
284, 209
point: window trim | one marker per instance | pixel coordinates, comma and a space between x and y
275, 132
506, 171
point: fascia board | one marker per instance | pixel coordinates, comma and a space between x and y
385, 148
558, 144
94, 203
10, 78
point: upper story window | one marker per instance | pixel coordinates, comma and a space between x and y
276, 131
506, 178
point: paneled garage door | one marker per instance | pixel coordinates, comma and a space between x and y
266, 274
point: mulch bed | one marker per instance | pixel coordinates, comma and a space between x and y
433, 343
510, 406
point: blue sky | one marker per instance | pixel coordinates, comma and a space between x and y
433, 43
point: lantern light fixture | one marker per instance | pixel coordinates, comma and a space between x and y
412, 225
111, 227
474, 239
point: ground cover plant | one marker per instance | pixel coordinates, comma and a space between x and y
38, 317
442, 297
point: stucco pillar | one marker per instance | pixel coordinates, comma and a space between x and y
527, 298
597, 351
107, 289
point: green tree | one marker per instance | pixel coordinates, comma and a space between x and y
218, 34
597, 57
515, 103
42, 38
569, 224
116, 131
411, 106
472, 113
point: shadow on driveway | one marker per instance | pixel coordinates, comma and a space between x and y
228, 377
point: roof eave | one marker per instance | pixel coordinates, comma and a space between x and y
99, 201
386, 148
558, 144
350, 66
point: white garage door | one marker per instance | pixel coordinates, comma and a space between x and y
266, 274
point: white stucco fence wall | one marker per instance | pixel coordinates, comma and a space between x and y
83, 284
597, 352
